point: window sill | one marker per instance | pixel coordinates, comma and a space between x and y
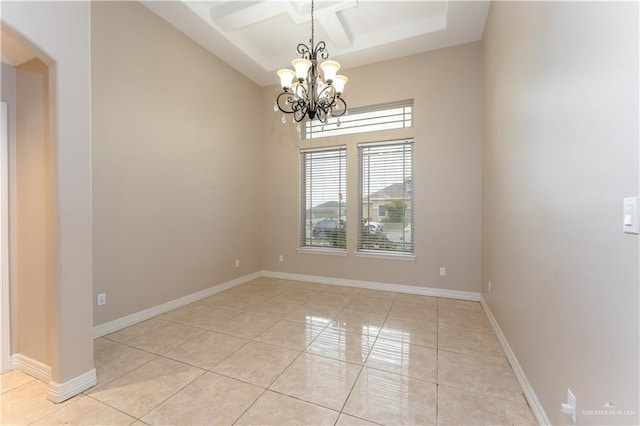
323, 251
386, 255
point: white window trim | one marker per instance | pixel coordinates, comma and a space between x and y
322, 251
386, 255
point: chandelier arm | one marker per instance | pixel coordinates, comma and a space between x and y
330, 91
304, 51
285, 102
321, 48
344, 110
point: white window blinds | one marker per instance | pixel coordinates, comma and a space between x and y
385, 193
323, 198
359, 120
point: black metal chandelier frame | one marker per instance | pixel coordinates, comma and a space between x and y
312, 97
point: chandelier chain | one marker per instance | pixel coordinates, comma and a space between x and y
312, 27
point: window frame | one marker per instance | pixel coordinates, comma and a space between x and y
361, 120
305, 243
361, 250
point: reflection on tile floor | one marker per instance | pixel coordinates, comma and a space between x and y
286, 352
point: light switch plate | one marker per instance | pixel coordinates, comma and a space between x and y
630, 219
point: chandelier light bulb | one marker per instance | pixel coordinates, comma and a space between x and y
302, 68
286, 77
329, 69
339, 82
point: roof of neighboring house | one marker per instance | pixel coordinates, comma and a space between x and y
330, 204
393, 191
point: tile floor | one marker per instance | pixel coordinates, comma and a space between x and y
286, 352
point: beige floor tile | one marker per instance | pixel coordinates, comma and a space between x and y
468, 320
267, 290
414, 361
246, 325
113, 359
457, 407
485, 375
426, 301
257, 363
368, 323
138, 392
129, 334
469, 342
305, 284
275, 409
86, 411
347, 420
377, 294
297, 295
163, 339
336, 300
211, 399
462, 305
234, 302
342, 345
413, 311
423, 333
381, 306
207, 350
183, 311
275, 308
314, 314
290, 334
338, 289
13, 379
318, 380
209, 318
26, 404
388, 398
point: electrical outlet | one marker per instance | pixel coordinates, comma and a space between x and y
281, 258
569, 407
237, 263
443, 271
489, 286
102, 299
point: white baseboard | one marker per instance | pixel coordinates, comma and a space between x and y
120, 323
534, 403
59, 392
31, 367
372, 285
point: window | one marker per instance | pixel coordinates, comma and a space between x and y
323, 198
359, 120
385, 191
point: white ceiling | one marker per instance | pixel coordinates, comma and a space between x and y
259, 37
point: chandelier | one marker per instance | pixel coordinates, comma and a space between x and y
307, 93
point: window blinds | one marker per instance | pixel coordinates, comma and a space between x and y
385, 193
323, 197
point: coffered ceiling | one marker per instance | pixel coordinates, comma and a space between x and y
259, 37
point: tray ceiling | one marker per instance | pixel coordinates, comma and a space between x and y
259, 37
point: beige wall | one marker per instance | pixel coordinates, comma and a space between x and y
58, 33
560, 153
8, 92
176, 166
446, 88
35, 234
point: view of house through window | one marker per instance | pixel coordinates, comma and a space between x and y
323, 198
385, 191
